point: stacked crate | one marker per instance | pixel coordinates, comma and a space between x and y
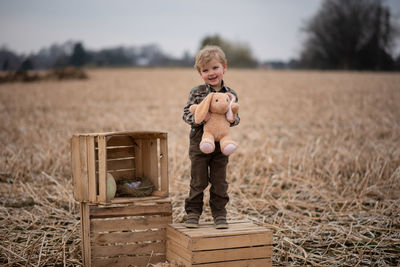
124, 231
242, 244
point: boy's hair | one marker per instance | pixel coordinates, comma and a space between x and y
208, 53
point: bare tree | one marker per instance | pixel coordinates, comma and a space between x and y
349, 34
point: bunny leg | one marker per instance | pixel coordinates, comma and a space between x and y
228, 146
207, 145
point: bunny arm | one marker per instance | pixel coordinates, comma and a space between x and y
235, 109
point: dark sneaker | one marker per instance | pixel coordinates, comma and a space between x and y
220, 222
192, 220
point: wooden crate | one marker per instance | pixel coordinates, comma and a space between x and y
243, 244
125, 234
124, 155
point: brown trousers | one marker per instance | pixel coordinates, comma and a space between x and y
206, 168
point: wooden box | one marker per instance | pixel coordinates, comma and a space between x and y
125, 234
243, 244
124, 155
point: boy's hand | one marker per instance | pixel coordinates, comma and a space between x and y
193, 108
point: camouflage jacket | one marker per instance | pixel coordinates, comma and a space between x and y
197, 94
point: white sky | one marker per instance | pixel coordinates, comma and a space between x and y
272, 28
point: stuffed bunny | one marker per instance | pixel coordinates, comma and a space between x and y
218, 110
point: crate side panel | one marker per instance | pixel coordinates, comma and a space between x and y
178, 249
178, 237
175, 259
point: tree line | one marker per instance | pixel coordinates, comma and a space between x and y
343, 34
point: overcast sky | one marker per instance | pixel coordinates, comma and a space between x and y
272, 28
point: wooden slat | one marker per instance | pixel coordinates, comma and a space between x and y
146, 158
84, 169
136, 200
126, 261
131, 210
76, 168
231, 254
120, 152
208, 229
138, 158
164, 165
85, 234
240, 263
118, 174
120, 140
102, 168
234, 241
154, 158
99, 225
128, 237
128, 249
122, 164
91, 169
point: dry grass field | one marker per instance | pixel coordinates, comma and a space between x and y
319, 159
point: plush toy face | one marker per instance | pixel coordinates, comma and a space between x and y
214, 103
219, 103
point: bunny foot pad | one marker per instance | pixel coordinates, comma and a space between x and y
229, 149
207, 148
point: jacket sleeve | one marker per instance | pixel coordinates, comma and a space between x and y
188, 117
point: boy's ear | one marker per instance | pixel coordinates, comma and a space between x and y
202, 109
225, 67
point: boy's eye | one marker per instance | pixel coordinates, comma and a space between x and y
216, 67
216, 100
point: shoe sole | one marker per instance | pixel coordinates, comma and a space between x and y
191, 225
221, 226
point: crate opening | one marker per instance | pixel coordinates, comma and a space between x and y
133, 158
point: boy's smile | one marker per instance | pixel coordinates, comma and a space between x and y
213, 73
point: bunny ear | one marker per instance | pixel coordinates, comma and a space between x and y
202, 109
232, 97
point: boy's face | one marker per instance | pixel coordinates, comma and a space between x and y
213, 73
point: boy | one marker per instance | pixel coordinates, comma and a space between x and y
211, 65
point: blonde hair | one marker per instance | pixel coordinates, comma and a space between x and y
208, 53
